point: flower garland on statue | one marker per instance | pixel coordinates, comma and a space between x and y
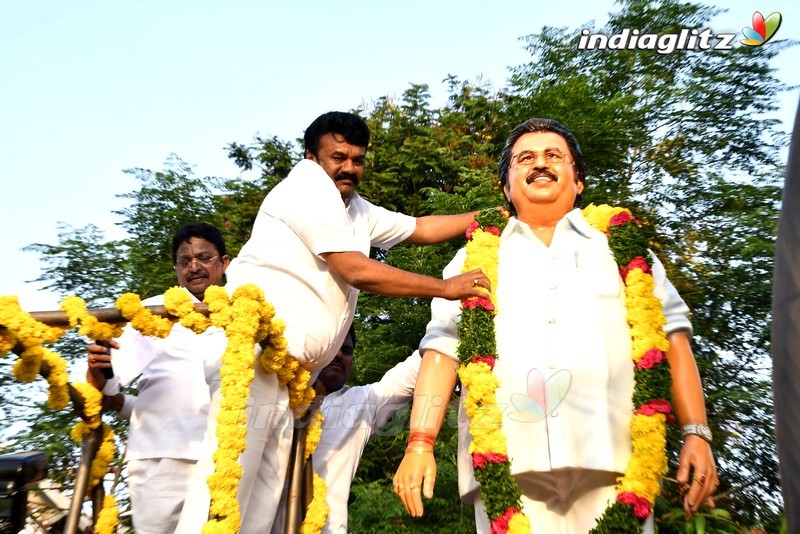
639, 486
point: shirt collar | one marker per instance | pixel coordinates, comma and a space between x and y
572, 221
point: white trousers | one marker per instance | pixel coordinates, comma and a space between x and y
567, 501
158, 488
264, 461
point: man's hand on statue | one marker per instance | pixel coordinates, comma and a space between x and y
697, 460
415, 477
99, 359
471, 284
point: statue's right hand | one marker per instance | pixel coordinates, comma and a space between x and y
415, 476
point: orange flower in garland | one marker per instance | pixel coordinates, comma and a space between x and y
640, 484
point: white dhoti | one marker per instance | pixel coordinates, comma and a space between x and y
158, 488
264, 462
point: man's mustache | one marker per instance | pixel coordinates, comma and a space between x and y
347, 176
537, 173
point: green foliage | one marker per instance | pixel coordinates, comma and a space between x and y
164, 201
652, 384
472, 328
83, 264
623, 519
498, 488
628, 242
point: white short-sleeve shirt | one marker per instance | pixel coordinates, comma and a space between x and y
302, 217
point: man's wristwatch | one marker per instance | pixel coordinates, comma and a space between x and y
697, 429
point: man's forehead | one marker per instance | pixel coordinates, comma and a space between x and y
337, 143
540, 141
195, 243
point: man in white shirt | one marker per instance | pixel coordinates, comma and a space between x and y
564, 354
309, 252
168, 417
352, 415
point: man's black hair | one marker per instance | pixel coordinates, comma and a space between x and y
349, 126
198, 229
542, 125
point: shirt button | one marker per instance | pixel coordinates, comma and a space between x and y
552, 366
552, 286
552, 320
554, 414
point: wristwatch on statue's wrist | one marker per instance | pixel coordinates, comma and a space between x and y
697, 429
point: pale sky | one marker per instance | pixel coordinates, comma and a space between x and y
90, 88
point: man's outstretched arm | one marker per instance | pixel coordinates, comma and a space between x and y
367, 274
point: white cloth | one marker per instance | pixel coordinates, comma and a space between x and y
158, 486
301, 218
352, 416
563, 347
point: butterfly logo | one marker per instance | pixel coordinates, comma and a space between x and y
762, 30
543, 396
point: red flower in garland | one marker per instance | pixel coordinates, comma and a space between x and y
481, 459
636, 263
493, 230
477, 302
488, 360
621, 218
500, 525
474, 225
650, 359
640, 505
657, 406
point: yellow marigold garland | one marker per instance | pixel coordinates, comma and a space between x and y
92, 402
142, 319
105, 453
108, 518
246, 319
640, 485
317, 511
19, 327
90, 326
177, 302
